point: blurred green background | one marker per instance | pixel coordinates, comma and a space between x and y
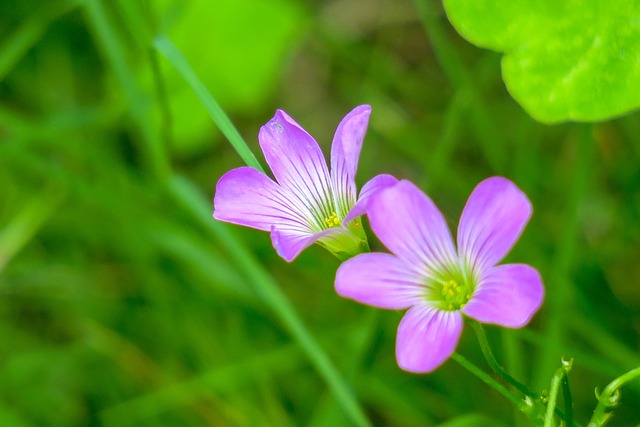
122, 303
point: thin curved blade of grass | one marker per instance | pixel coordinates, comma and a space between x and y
107, 39
558, 296
183, 192
181, 392
282, 361
15, 235
465, 83
219, 117
327, 411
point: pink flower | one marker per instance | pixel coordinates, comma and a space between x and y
306, 204
437, 283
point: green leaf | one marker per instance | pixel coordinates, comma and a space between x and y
563, 59
236, 47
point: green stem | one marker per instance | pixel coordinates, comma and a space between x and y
522, 405
553, 397
566, 392
495, 366
610, 397
493, 363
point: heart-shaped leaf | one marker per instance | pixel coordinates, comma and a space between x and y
563, 59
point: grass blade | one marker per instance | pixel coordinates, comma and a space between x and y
183, 192
112, 47
175, 57
15, 235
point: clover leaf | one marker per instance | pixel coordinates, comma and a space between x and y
563, 59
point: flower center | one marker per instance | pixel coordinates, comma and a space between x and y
455, 295
332, 220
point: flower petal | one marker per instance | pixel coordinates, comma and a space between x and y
426, 338
345, 152
509, 295
246, 196
491, 222
412, 227
380, 280
289, 242
370, 189
297, 163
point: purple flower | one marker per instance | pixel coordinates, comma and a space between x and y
437, 283
306, 204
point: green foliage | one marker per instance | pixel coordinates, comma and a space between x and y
237, 48
122, 303
563, 59
212, 107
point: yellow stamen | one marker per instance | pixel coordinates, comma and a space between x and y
454, 295
332, 220
450, 288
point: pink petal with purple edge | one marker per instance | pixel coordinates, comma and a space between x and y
379, 280
493, 219
370, 189
345, 152
509, 295
246, 196
427, 337
295, 159
289, 242
412, 227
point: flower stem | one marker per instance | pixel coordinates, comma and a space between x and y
553, 397
610, 397
566, 391
487, 379
493, 363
